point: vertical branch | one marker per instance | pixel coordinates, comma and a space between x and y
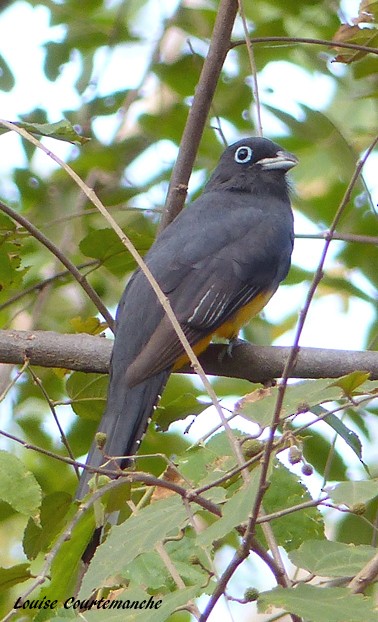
50, 403
212, 67
251, 55
295, 347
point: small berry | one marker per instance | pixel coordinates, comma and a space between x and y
358, 508
251, 448
295, 455
307, 469
100, 440
251, 594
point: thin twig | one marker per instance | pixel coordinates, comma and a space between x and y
310, 41
269, 561
56, 419
352, 403
252, 62
243, 551
365, 577
38, 235
170, 566
42, 284
220, 589
164, 301
294, 508
122, 475
273, 546
14, 380
294, 350
343, 237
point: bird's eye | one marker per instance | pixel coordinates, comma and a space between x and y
243, 154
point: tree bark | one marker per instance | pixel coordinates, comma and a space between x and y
205, 89
86, 353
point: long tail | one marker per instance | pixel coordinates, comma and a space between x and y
124, 422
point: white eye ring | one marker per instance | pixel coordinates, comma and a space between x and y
243, 154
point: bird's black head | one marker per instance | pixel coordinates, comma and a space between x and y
248, 161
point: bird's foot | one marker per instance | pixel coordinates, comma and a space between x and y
229, 348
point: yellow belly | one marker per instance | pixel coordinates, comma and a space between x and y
197, 349
229, 329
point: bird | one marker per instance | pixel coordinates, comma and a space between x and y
219, 262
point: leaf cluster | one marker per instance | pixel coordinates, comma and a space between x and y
166, 544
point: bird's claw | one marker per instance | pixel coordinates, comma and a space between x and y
228, 349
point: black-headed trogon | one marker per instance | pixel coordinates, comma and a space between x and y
218, 262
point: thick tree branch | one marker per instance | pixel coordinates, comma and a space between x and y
254, 363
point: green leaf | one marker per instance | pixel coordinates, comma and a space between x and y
319, 452
38, 537
105, 244
286, 491
108, 104
11, 274
370, 387
6, 76
353, 381
169, 603
201, 466
89, 325
331, 559
180, 408
67, 563
64, 615
353, 34
319, 604
148, 569
182, 75
300, 397
138, 534
7, 226
61, 130
18, 486
350, 437
234, 512
88, 394
198, 21
353, 493
56, 55
160, 126
14, 575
